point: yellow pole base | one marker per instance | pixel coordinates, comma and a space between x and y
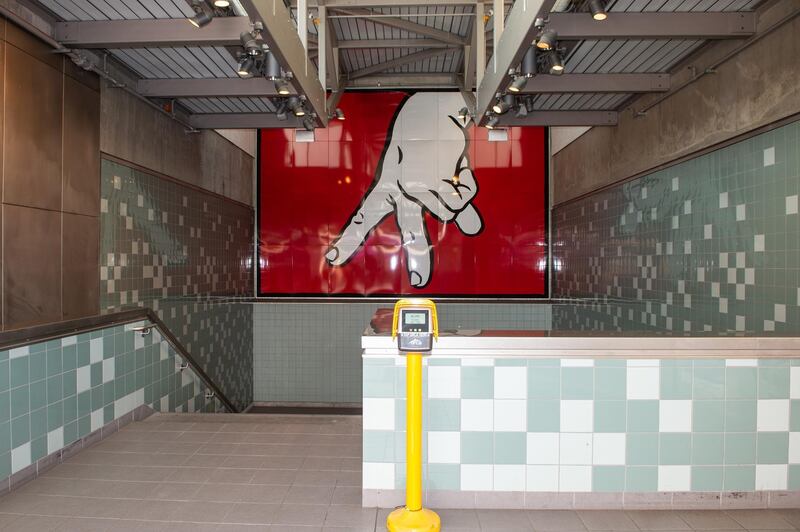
404, 520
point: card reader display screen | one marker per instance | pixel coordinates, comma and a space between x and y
415, 321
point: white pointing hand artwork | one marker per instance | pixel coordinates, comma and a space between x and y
424, 168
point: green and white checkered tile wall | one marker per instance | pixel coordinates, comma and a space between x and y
573, 425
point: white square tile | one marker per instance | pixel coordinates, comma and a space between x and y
95, 350
675, 184
69, 340
575, 478
377, 476
780, 313
794, 447
643, 363
675, 416
674, 478
575, 448
608, 449
741, 362
758, 243
576, 416
791, 204
21, 457
108, 369
577, 362
771, 476
510, 415
741, 212
18, 352
769, 156
510, 382
476, 477
477, 414
643, 383
707, 231
794, 382
444, 447
543, 448
96, 419
772, 415
470, 361
444, 382
509, 478
84, 376
55, 440
541, 478
378, 413
723, 200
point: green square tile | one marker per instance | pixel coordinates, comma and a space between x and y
641, 449
544, 415
794, 415
97, 398
19, 372
577, 383
740, 448
544, 383
707, 478
707, 448
5, 465
610, 416
444, 362
38, 423
794, 477
477, 382
38, 366
20, 401
709, 383
641, 478
84, 403
477, 447
5, 406
108, 414
676, 383
378, 446
643, 416
444, 477
70, 357
379, 381
69, 383
610, 382
55, 416
5, 437
544, 363
608, 479
38, 391
70, 409
510, 447
739, 478
708, 416
773, 447
39, 448
773, 383
20, 430
55, 363
740, 416
519, 362
83, 354
55, 389
740, 383
5, 375
675, 448
443, 414
96, 374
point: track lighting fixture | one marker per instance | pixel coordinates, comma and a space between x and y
272, 70
280, 111
503, 104
518, 84
492, 122
222, 4
249, 41
547, 41
598, 9
308, 123
522, 110
339, 114
246, 67
463, 113
282, 87
296, 106
201, 17
528, 66
556, 63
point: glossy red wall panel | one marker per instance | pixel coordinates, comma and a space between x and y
392, 163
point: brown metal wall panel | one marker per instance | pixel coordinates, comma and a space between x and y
32, 266
81, 271
81, 149
32, 143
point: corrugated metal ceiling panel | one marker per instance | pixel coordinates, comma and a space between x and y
182, 62
118, 9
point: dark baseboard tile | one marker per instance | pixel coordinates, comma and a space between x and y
587, 500
22, 477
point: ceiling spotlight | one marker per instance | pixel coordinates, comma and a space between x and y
492, 122
518, 84
556, 63
246, 67
280, 111
308, 123
296, 106
339, 114
528, 66
463, 113
222, 4
522, 110
282, 87
547, 41
598, 9
504, 104
250, 44
273, 68
200, 18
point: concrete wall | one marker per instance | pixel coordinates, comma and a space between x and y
137, 133
758, 86
51, 183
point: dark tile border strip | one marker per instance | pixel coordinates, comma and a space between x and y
306, 410
22, 477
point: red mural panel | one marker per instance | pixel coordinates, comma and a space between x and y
403, 197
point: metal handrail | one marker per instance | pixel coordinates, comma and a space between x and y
53, 331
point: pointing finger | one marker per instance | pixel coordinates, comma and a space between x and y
374, 208
458, 191
411, 222
469, 220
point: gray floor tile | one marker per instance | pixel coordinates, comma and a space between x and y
657, 520
309, 495
760, 519
547, 520
350, 516
708, 520
252, 513
607, 520
504, 520
301, 514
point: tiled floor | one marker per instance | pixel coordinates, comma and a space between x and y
277, 473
